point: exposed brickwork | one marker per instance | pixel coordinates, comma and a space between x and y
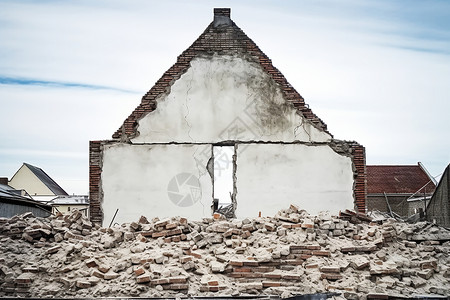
222, 12
95, 169
223, 40
359, 161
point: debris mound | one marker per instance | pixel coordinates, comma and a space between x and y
289, 254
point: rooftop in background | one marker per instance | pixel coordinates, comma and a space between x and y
7, 192
399, 179
38, 184
70, 200
47, 180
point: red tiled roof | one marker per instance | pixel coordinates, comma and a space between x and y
398, 180
222, 40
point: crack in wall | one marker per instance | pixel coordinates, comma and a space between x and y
210, 169
187, 106
302, 124
200, 175
232, 142
234, 195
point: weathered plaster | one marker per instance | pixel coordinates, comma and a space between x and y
270, 176
135, 179
223, 98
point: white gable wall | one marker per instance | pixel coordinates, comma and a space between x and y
224, 98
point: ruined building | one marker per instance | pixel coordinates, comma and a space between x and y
223, 92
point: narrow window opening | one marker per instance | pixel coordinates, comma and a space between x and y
223, 178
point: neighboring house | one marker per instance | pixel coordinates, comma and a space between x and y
223, 94
66, 204
15, 202
37, 183
402, 189
438, 210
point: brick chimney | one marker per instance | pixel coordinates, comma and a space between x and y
222, 17
222, 12
4, 180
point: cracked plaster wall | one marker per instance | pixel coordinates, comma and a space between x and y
225, 98
135, 179
270, 176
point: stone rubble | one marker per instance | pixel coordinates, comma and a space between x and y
291, 253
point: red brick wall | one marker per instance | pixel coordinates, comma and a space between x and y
95, 170
360, 188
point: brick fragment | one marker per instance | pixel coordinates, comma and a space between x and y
267, 284
213, 283
162, 223
83, 284
185, 259
272, 276
160, 281
270, 226
331, 276
139, 271
23, 278
212, 288
172, 225
178, 279
110, 275
174, 232
90, 263
251, 263
176, 287
236, 263
290, 277
194, 254
147, 233
53, 250
103, 268
143, 278
329, 269
321, 253
97, 274
428, 264
348, 249
293, 262
377, 296
242, 270
307, 225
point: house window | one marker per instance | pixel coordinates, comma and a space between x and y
223, 175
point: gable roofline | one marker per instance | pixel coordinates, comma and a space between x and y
222, 37
428, 173
47, 180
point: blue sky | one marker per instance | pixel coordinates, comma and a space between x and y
377, 72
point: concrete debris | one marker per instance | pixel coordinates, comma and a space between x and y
291, 253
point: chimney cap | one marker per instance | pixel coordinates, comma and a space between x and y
226, 12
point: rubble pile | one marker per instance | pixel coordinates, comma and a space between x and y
291, 253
